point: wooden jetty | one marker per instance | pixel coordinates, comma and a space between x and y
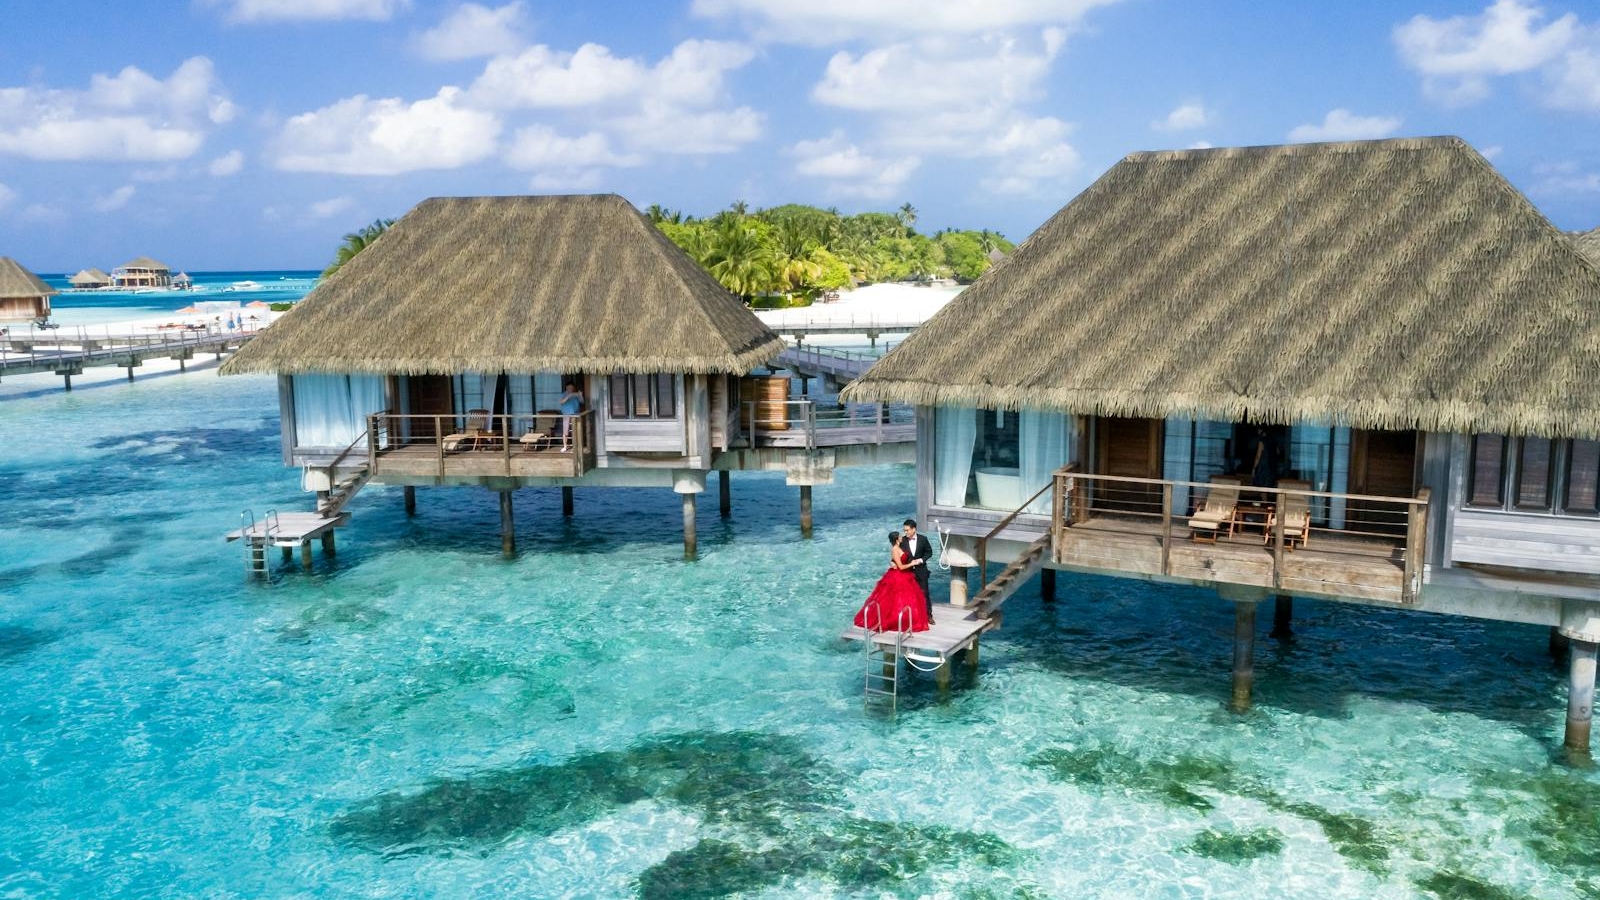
871, 327
955, 632
68, 355
285, 531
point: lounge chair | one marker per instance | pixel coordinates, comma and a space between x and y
1217, 513
477, 426
545, 433
1296, 515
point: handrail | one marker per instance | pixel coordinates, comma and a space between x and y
1129, 479
497, 441
983, 542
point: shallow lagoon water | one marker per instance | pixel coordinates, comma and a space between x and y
420, 718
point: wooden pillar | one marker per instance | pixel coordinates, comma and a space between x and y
288, 554
1580, 700
327, 543
958, 586
724, 494
690, 548
941, 677
1282, 615
67, 376
805, 510
130, 373
305, 555
508, 528
566, 501
183, 364
410, 494
1244, 652
1047, 585
972, 655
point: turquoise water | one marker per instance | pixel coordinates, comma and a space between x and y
599, 719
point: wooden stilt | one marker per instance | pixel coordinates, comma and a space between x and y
690, 547
941, 677
508, 528
288, 554
1580, 700
958, 585
327, 543
1282, 616
183, 364
68, 379
805, 510
411, 499
566, 501
972, 655
305, 555
1244, 652
130, 373
1047, 585
724, 494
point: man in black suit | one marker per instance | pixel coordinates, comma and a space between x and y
920, 551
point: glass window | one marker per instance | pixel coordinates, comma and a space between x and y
640, 388
619, 396
1485, 468
1533, 473
1583, 478
643, 396
666, 398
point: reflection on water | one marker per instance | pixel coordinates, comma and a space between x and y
420, 718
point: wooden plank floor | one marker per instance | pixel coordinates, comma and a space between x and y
953, 629
292, 528
423, 459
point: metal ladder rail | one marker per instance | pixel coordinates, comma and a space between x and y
255, 551
883, 663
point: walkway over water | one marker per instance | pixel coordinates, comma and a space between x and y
69, 354
872, 327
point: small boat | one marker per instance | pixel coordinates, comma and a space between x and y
244, 286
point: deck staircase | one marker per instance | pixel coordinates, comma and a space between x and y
1016, 573
343, 492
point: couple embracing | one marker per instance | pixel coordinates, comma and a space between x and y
900, 601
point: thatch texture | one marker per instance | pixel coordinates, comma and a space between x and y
89, 278
1589, 244
516, 284
145, 262
18, 282
1386, 284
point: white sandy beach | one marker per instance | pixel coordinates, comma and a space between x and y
876, 303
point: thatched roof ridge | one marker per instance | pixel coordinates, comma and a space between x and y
17, 281
1588, 244
89, 276
145, 262
516, 284
1379, 284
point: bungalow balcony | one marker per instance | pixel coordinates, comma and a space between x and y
406, 447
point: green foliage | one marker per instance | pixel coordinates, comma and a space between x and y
355, 242
280, 307
800, 251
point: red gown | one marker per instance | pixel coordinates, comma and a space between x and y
896, 595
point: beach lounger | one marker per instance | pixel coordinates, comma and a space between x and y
477, 426
1217, 513
1296, 515
545, 433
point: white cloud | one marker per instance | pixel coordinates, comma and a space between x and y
362, 136
543, 148
7, 196
39, 212
849, 171
227, 164
310, 10
1185, 117
129, 116
935, 75
1201, 145
1565, 178
663, 128
152, 176
115, 200
327, 209
827, 21
473, 30
1343, 125
542, 78
567, 180
1459, 55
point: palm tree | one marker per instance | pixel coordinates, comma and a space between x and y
907, 216
741, 261
355, 242
739, 208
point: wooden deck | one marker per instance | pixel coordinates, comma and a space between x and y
1330, 565
290, 529
488, 459
954, 629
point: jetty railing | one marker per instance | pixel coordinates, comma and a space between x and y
510, 444
809, 424
1282, 538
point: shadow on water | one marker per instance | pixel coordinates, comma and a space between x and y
777, 811
16, 641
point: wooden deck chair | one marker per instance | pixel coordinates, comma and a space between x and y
545, 433
1296, 515
476, 426
1217, 513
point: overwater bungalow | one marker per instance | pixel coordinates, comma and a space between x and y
24, 297
1366, 372
89, 279
439, 356
142, 272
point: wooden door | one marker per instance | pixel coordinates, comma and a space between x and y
430, 395
1384, 464
1130, 448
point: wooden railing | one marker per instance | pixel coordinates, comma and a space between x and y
812, 425
1055, 505
1371, 530
476, 438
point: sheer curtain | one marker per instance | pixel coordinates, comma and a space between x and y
955, 433
1045, 441
330, 411
366, 398
1177, 461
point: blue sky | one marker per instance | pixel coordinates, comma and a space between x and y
253, 133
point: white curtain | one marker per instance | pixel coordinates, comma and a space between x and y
955, 433
366, 398
1045, 445
1177, 461
330, 411
1339, 483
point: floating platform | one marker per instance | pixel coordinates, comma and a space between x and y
954, 629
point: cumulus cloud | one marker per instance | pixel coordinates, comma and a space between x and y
327, 209
543, 78
310, 10
567, 180
130, 116
227, 164
472, 31
1343, 125
363, 136
115, 200
1184, 117
542, 147
827, 21
1458, 56
848, 170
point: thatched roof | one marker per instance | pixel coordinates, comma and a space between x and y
1588, 243
145, 262
17, 282
89, 276
516, 284
1384, 284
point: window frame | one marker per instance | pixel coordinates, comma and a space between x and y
1557, 487
1502, 472
624, 399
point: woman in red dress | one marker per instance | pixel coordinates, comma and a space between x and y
896, 603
